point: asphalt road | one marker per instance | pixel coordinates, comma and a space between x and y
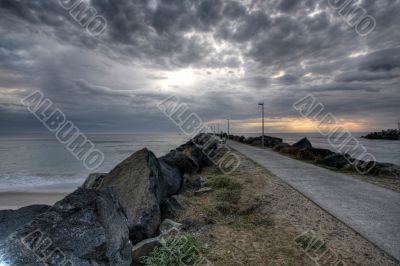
370, 210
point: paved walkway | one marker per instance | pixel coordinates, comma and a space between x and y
372, 211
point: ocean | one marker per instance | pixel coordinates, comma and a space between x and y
39, 163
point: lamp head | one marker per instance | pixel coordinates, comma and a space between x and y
261, 103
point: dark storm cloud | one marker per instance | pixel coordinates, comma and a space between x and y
241, 47
383, 60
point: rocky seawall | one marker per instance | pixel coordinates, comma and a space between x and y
390, 134
113, 218
303, 150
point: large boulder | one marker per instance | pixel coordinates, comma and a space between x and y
387, 170
303, 144
170, 207
272, 141
88, 227
171, 177
197, 155
140, 188
336, 160
185, 163
11, 220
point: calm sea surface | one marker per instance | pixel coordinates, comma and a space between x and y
41, 163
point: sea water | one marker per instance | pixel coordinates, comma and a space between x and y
39, 163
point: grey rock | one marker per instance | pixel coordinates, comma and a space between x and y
191, 182
303, 144
203, 180
144, 248
88, 227
271, 141
140, 189
203, 191
185, 163
172, 178
11, 220
336, 160
392, 171
314, 154
170, 207
390, 134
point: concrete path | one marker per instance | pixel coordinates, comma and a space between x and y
372, 211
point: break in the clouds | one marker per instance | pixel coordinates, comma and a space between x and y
219, 56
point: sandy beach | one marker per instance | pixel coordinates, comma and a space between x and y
15, 200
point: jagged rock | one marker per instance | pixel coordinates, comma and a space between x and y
88, 227
191, 182
140, 188
336, 160
170, 207
197, 155
11, 220
172, 178
363, 167
314, 154
184, 163
387, 170
144, 248
256, 142
272, 141
203, 191
203, 180
303, 144
94, 181
390, 134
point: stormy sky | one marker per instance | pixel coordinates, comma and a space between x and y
220, 57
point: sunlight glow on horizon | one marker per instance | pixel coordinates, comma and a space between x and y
287, 125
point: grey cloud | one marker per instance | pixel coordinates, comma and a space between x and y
383, 60
365, 76
115, 78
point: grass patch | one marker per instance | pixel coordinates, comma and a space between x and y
210, 211
223, 181
228, 195
226, 208
250, 222
178, 250
308, 243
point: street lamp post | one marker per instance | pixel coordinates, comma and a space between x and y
262, 105
228, 128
